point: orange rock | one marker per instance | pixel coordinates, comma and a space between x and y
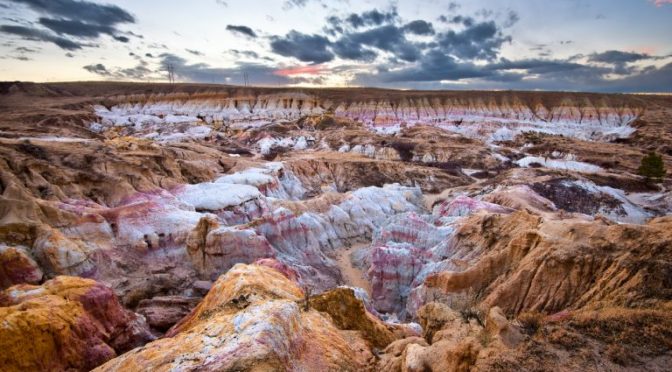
67, 323
251, 319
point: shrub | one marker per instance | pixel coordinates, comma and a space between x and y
652, 167
405, 150
473, 313
274, 152
530, 322
326, 122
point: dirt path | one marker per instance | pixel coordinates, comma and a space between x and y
351, 275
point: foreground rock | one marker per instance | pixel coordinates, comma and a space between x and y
67, 323
252, 319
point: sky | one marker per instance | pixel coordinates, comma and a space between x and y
569, 45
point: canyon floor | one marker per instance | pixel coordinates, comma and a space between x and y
215, 228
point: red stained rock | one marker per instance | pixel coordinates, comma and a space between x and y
68, 323
17, 266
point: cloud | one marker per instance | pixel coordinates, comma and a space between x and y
434, 66
98, 69
372, 18
23, 49
194, 52
250, 54
139, 72
620, 60
80, 10
301, 70
419, 27
616, 57
304, 47
200, 72
289, 4
79, 19
76, 28
244, 30
511, 19
481, 40
387, 38
29, 33
660, 3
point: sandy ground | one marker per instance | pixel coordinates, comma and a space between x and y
352, 276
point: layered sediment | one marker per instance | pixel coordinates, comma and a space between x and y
231, 228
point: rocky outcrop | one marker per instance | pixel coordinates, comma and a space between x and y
525, 261
498, 116
349, 313
584, 263
455, 347
17, 266
252, 319
303, 235
67, 323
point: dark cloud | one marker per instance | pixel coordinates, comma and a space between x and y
615, 57
419, 27
98, 69
23, 49
304, 47
244, 30
481, 40
76, 28
195, 52
200, 72
434, 66
139, 72
250, 54
347, 48
542, 66
459, 19
372, 18
84, 11
79, 19
620, 60
387, 38
18, 58
34, 34
372, 34
245, 53
134, 34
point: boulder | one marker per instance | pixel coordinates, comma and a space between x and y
252, 319
67, 323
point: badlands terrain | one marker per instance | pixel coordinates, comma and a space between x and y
156, 227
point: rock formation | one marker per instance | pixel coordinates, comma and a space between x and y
253, 319
266, 229
67, 323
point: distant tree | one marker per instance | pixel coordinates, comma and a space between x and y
652, 167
